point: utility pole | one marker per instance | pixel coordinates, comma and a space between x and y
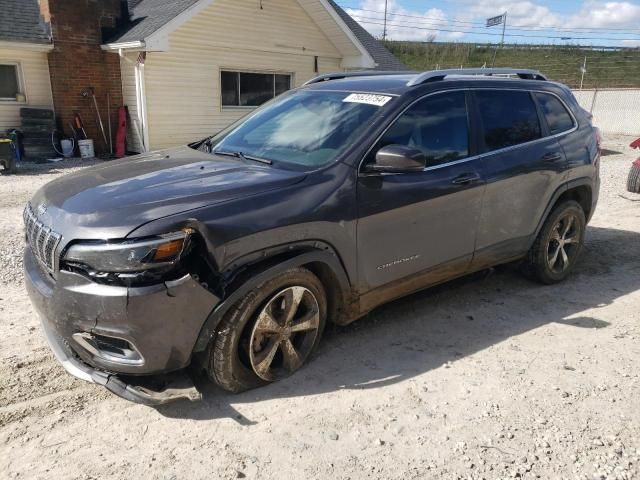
384, 32
583, 70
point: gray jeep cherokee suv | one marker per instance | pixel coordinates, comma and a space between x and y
231, 254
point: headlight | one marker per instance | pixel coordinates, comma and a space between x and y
130, 255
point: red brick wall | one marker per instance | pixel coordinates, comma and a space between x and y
78, 62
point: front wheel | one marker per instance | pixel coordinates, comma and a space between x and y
558, 245
270, 333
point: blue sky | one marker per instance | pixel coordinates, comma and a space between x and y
587, 22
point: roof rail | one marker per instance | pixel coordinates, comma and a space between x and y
435, 75
365, 73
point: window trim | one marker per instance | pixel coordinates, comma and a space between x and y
363, 173
21, 83
543, 116
260, 72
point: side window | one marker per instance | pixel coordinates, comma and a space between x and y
558, 118
509, 117
436, 125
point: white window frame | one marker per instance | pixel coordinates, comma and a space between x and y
244, 70
21, 84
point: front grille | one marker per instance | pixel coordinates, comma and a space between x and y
42, 240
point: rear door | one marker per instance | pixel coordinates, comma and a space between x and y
522, 165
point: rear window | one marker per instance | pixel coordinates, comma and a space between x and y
508, 117
558, 118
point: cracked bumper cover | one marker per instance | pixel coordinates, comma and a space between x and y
162, 321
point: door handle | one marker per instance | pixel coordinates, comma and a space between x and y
554, 157
466, 178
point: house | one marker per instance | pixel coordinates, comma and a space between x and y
24, 68
188, 68
205, 63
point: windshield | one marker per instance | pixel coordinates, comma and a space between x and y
306, 129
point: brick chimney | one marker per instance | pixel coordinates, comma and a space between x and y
77, 62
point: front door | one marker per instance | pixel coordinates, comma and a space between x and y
415, 229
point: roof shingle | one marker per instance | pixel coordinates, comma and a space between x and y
20, 21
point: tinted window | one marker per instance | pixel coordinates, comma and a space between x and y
558, 118
436, 125
508, 117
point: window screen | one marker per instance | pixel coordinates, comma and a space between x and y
437, 126
244, 89
558, 118
9, 87
509, 117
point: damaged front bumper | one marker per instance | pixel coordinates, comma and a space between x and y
176, 386
152, 331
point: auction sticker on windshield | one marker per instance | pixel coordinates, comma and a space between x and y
368, 98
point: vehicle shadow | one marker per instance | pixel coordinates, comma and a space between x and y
423, 331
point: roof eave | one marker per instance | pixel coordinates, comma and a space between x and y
118, 46
26, 45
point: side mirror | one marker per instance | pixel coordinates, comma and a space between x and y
398, 159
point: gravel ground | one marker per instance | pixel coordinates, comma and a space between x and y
487, 377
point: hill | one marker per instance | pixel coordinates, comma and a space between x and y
606, 67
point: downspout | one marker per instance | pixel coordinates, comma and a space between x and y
141, 98
140, 123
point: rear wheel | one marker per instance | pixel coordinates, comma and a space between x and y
270, 333
633, 180
558, 245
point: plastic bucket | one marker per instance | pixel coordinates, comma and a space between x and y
67, 148
86, 148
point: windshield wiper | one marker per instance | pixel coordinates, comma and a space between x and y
242, 156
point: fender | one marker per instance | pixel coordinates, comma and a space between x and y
327, 256
565, 187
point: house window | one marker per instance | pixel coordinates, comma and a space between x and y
9, 82
245, 89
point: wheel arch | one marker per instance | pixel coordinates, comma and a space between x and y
579, 190
249, 271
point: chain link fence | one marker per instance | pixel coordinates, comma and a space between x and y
615, 110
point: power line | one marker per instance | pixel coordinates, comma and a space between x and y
446, 24
610, 30
520, 35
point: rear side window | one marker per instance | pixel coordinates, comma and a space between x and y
509, 117
436, 125
558, 118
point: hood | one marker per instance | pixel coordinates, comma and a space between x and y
110, 200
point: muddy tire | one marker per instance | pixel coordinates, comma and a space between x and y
270, 333
633, 180
558, 245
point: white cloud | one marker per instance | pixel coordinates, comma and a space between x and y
523, 13
601, 14
400, 26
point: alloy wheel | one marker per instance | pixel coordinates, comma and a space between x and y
563, 243
284, 333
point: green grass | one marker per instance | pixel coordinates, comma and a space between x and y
605, 68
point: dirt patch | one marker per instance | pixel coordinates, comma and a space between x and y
490, 376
